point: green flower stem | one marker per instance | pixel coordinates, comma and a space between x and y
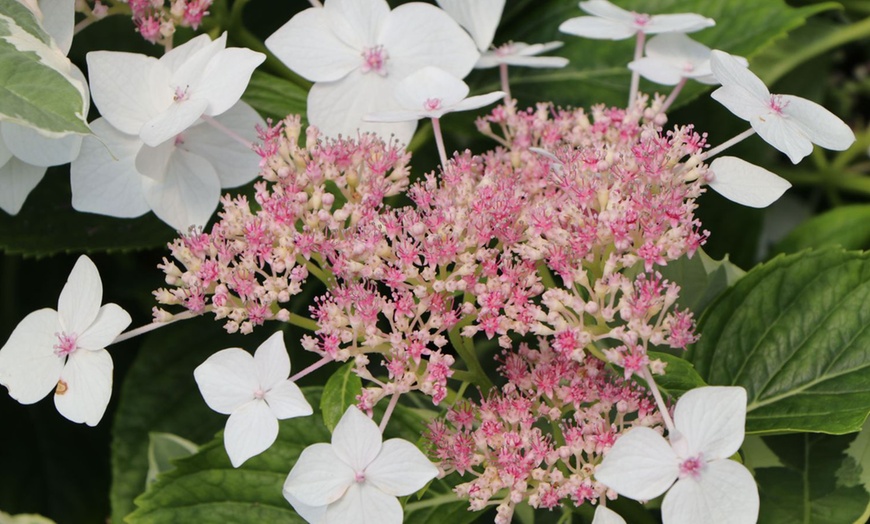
545, 274
468, 354
428, 503
302, 322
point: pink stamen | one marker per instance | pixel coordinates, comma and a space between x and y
259, 394
359, 477
693, 467
432, 104
640, 19
66, 344
180, 94
375, 59
777, 104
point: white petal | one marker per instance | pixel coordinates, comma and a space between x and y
400, 468
110, 322
540, 62
365, 504
177, 117
58, 21
641, 465
189, 73
188, 194
598, 28
678, 23
395, 116
227, 379
604, 515
677, 48
478, 17
711, 420
725, 494
33, 148
178, 56
476, 102
358, 22
819, 125
338, 108
250, 430
309, 45
88, 386
287, 401
741, 102
226, 77
29, 368
80, 298
605, 9
17, 180
356, 439
5, 154
745, 183
429, 83
417, 35
783, 134
234, 163
732, 72
319, 477
311, 514
272, 361
657, 70
129, 89
104, 178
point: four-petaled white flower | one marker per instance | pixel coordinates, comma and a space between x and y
255, 392
25, 154
610, 22
480, 18
673, 57
604, 515
118, 175
357, 51
789, 123
431, 93
358, 477
64, 350
703, 485
157, 99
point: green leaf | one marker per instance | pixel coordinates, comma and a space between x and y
806, 488
680, 375
36, 86
701, 279
794, 333
856, 469
6, 518
844, 226
340, 392
160, 395
274, 97
598, 73
163, 448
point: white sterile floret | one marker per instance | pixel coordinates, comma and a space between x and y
117, 174
255, 392
431, 93
604, 515
357, 51
745, 183
610, 22
523, 55
158, 99
64, 350
25, 154
357, 477
693, 465
789, 123
672, 57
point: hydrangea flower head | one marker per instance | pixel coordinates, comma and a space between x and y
693, 465
357, 477
64, 350
357, 51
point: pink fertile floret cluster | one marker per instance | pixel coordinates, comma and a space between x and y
543, 250
157, 22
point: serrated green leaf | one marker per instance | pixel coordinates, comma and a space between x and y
805, 489
680, 375
794, 333
598, 73
163, 448
274, 97
160, 395
36, 86
844, 226
701, 279
340, 392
